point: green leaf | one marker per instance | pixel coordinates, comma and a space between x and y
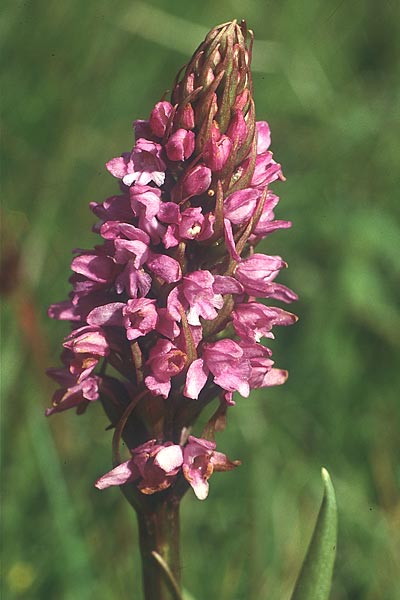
314, 580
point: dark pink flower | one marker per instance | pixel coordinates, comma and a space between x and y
197, 289
153, 465
167, 325
180, 145
266, 223
159, 117
165, 266
94, 267
253, 320
262, 374
115, 208
226, 361
165, 361
237, 130
142, 165
72, 393
87, 340
135, 282
263, 137
194, 183
200, 460
239, 207
145, 205
191, 224
257, 272
155, 305
107, 314
139, 317
216, 152
230, 240
266, 170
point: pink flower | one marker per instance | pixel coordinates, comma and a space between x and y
197, 289
87, 340
216, 152
266, 170
200, 460
194, 225
237, 130
115, 208
263, 137
135, 282
145, 203
153, 465
139, 317
176, 273
143, 164
252, 320
159, 117
194, 183
165, 361
239, 207
261, 372
165, 266
180, 145
94, 266
227, 362
191, 224
106, 315
257, 272
266, 223
73, 392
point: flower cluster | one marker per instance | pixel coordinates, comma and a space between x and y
168, 299
154, 467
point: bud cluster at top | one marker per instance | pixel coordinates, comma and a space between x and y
164, 310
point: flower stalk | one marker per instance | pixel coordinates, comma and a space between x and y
168, 300
159, 538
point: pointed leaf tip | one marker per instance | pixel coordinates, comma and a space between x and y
314, 579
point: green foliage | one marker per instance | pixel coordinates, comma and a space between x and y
315, 577
75, 75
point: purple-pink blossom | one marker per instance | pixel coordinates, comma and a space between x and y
154, 467
164, 310
200, 460
143, 165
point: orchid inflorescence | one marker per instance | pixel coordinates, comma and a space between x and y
163, 311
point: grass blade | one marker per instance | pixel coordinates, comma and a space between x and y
314, 580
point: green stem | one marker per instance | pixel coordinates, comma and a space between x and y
159, 536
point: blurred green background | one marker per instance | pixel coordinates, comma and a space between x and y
76, 74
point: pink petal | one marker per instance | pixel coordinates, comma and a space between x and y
199, 484
275, 377
180, 145
239, 207
117, 166
169, 458
108, 314
165, 267
156, 387
196, 378
263, 137
229, 240
124, 473
159, 117
96, 268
